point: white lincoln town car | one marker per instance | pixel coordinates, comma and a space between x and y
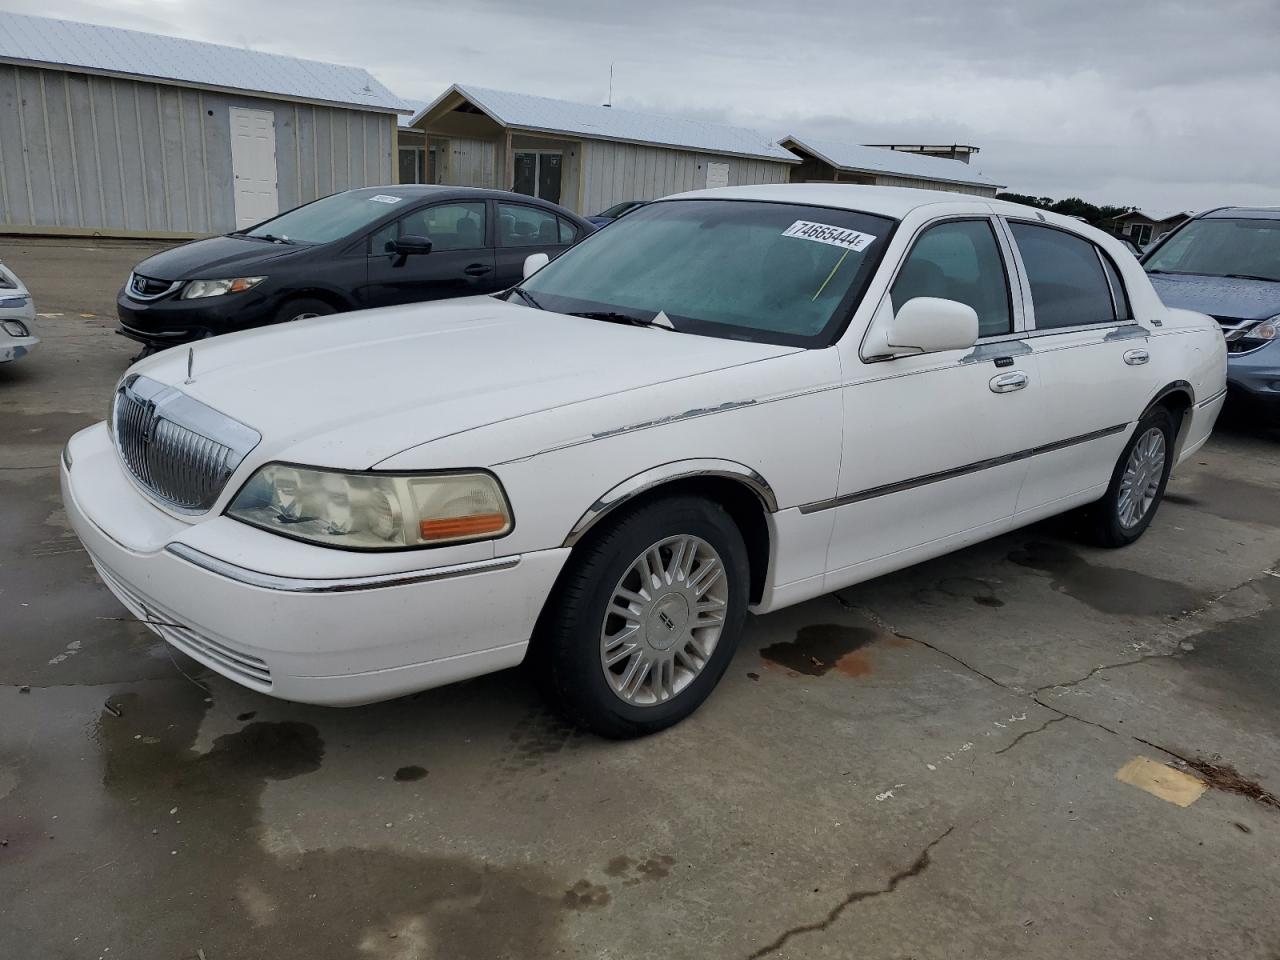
731, 399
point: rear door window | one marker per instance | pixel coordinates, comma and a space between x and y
1069, 286
959, 260
521, 226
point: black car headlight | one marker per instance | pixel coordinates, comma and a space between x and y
373, 511
199, 289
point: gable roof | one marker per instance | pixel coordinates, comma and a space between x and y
1153, 217
546, 115
860, 159
130, 53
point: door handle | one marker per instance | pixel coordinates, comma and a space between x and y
1009, 382
477, 270
1135, 358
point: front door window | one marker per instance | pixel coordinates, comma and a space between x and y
537, 174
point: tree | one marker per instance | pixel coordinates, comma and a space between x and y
1072, 207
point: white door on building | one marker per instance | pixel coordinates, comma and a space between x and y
253, 165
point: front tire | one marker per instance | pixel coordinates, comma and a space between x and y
646, 618
1137, 483
304, 308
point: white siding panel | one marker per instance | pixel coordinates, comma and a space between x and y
89, 152
624, 171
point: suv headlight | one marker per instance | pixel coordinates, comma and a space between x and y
373, 511
198, 289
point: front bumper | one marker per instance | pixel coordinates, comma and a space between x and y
1254, 377
170, 321
18, 307
336, 641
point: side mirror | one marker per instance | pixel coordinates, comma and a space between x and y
408, 246
533, 263
932, 325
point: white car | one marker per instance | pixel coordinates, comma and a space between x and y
17, 311
732, 399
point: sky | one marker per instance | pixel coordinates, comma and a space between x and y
1165, 106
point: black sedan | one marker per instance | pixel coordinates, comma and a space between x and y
364, 248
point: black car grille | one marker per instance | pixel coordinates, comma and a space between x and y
179, 450
150, 288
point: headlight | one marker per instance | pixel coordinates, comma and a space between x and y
373, 511
198, 289
15, 328
1266, 330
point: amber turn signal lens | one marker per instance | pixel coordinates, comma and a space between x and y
450, 528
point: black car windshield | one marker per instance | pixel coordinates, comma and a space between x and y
330, 218
1222, 247
618, 209
742, 269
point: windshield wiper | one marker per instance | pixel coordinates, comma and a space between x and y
613, 316
1250, 276
527, 298
269, 237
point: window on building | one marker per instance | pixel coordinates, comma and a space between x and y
1068, 284
959, 260
537, 174
412, 167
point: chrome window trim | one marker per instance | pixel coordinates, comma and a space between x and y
270, 581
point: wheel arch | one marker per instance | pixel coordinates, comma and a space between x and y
339, 302
1177, 397
740, 490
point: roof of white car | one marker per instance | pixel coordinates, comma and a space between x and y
528, 112
894, 202
88, 46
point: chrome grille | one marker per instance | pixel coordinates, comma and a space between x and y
181, 451
150, 288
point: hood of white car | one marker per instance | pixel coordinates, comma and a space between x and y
352, 389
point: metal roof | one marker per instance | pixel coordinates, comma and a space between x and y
86, 46
862, 159
405, 122
610, 123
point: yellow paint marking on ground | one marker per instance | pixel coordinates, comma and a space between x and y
1162, 780
88, 316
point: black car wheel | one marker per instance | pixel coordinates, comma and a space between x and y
304, 308
645, 618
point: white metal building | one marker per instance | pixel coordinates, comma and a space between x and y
585, 157
121, 133
828, 161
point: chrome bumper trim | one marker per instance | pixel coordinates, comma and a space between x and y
269, 581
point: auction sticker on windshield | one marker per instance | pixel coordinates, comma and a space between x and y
826, 233
385, 198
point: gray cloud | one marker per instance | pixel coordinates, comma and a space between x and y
1169, 105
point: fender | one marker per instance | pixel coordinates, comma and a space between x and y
1177, 386
664, 473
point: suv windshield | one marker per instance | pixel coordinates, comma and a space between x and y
742, 269
1222, 248
329, 218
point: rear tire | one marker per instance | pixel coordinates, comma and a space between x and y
645, 618
304, 308
1137, 483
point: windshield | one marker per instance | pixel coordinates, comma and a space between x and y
329, 218
771, 272
1222, 247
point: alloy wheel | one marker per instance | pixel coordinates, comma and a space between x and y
1140, 482
664, 620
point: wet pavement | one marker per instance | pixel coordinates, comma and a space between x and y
921, 766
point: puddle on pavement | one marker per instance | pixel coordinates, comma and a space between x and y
410, 773
186, 827
1110, 590
820, 648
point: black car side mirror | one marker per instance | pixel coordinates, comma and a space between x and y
409, 245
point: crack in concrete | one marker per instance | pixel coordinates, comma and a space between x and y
1026, 733
918, 866
1170, 637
